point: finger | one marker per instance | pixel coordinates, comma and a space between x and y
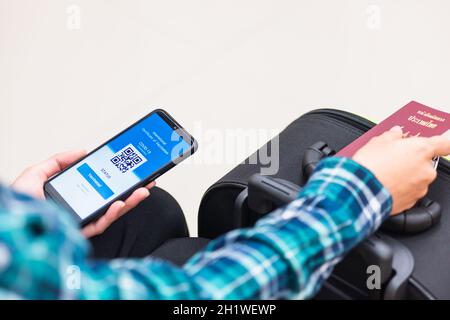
136, 197
393, 134
150, 185
111, 215
59, 162
440, 146
116, 210
99, 226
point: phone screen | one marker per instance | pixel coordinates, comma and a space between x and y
128, 159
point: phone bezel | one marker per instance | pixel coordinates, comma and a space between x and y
51, 192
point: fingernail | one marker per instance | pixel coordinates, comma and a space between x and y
397, 128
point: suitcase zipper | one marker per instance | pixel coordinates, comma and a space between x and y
363, 124
346, 117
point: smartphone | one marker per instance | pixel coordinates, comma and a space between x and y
132, 159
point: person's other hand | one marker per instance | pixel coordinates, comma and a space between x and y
32, 179
403, 166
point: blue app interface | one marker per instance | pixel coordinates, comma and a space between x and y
125, 161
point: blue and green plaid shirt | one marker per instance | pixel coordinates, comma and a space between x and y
288, 254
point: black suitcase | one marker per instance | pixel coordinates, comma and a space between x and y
414, 259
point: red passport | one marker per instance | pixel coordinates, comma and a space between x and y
415, 119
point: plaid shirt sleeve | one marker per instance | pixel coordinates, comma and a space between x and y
288, 254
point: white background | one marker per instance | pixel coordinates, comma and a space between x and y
222, 64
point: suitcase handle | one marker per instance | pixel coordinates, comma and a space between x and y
424, 215
264, 194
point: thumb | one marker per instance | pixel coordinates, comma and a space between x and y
440, 146
59, 162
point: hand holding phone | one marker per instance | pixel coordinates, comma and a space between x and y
115, 170
32, 180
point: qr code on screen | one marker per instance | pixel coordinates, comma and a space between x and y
127, 159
